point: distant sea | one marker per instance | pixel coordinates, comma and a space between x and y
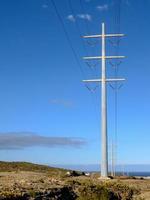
139, 174
130, 170
145, 174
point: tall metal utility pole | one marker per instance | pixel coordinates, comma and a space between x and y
104, 80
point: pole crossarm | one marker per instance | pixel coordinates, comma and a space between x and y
101, 57
107, 35
115, 79
92, 80
107, 80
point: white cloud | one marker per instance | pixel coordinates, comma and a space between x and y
85, 16
102, 7
22, 140
71, 18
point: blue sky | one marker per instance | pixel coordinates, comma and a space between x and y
42, 97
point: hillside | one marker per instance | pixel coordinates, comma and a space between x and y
12, 166
26, 166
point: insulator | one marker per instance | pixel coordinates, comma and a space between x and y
111, 86
121, 85
91, 65
116, 43
91, 89
116, 87
92, 43
115, 64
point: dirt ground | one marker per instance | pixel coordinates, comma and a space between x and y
143, 185
41, 181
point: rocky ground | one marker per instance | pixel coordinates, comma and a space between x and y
38, 185
27, 181
142, 185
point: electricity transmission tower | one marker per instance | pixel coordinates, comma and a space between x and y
104, 80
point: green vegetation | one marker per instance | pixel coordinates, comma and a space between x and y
26, 166
96, 190
84, 191
52, 183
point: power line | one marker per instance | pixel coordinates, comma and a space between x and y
118, 16
92, 90
91, 66
83, 11
67, 37
116, 26
88, 30
77, 26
